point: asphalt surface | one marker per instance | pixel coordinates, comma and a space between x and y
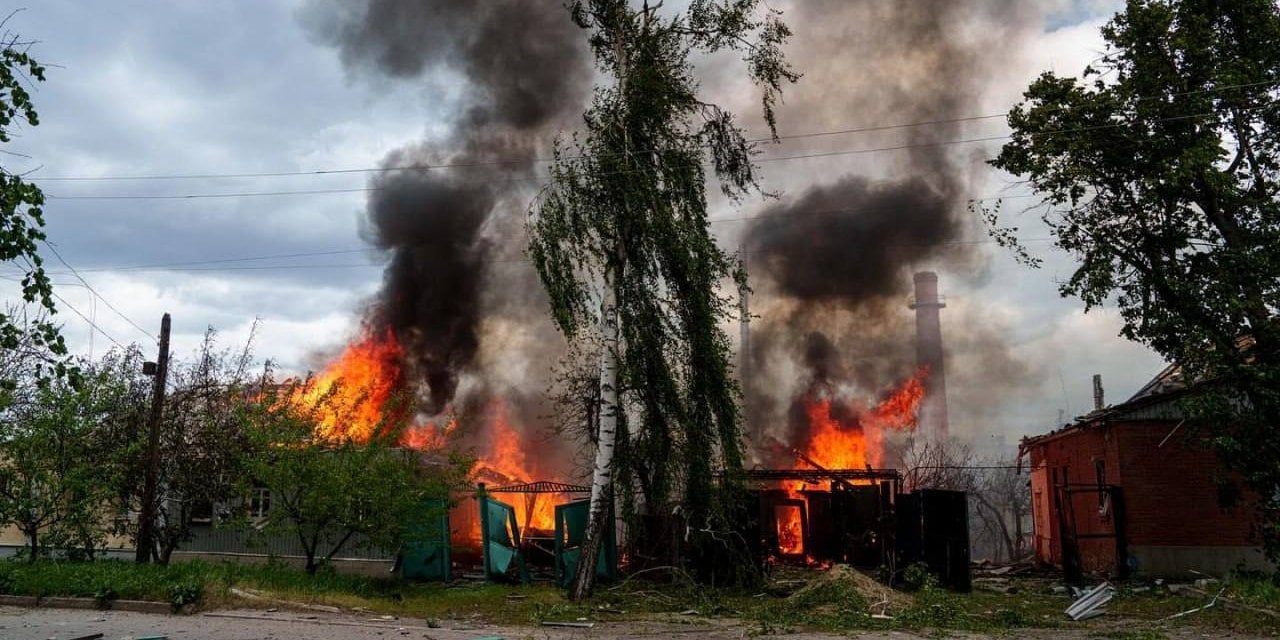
254, 624
66, 624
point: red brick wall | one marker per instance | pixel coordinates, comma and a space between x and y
1072, 458
1172, 493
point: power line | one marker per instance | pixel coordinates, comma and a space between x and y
825, 154
86, 319
488, 163
360, 265
277, 256
95, 293
458, 165
175, 266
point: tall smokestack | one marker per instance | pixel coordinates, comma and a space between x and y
933, 409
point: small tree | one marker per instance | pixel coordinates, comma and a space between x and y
998, 494
332, 494
62, 455
202, 443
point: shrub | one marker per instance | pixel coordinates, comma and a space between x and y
184, 593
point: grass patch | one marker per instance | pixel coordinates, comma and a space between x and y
1258, 589
821, 603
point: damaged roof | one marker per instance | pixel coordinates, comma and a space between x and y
1155, 400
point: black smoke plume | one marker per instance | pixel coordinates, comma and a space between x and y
525, 71
832, 263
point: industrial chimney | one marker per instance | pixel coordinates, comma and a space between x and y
933, 409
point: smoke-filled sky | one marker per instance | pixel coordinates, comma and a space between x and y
175, 89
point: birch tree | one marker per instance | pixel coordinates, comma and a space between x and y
621, 243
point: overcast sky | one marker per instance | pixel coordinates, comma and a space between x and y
185, 88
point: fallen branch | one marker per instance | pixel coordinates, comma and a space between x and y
1230, 603
628, 578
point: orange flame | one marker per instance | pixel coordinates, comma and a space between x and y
350, 397
844, 435
507, 462
790, 528
360, 395
852, 436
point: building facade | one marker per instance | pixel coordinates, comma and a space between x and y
1132, 489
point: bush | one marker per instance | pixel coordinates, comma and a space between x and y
103, 596
184, 593
916, 577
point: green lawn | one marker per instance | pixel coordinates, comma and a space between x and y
1132, 615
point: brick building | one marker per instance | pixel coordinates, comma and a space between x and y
1129, 488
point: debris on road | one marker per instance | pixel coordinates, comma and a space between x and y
1212, 602
1090, 604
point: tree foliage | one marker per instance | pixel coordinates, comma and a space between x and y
202, 443
625, 219
22, 217
64, 452
332, 495
1158, 168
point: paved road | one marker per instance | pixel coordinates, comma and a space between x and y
64, 624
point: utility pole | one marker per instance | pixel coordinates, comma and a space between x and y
147, 519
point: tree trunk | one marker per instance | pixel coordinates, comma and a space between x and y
602, 473
166, 552
33, 541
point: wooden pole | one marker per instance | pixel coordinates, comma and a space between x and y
147, 519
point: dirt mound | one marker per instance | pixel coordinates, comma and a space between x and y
840, 578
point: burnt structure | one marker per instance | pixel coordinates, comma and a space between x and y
849, 520
859, 517
929, 354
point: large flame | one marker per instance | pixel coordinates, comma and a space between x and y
363, 393
507, 462
843, 434
851, 436
351, 399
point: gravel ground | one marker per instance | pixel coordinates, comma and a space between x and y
65, 624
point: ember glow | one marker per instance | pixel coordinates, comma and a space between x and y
790, 528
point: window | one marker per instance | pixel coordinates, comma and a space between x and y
202, 511
260, 502
1229, 494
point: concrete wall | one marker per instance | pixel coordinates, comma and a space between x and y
1177, 561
